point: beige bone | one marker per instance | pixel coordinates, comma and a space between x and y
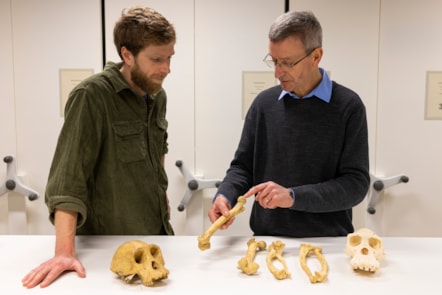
204, 239
137, 259
366, 249
275, 252
305, 251
247, 264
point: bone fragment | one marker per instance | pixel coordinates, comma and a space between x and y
307, 250
275, 252
204, 239
247, 264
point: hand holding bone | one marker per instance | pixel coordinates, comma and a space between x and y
204, 239
221, 206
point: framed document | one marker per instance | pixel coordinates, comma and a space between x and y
253, 82
69, 78
433, 105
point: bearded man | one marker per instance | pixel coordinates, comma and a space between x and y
107, 176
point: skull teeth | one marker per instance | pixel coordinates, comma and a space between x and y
128, 278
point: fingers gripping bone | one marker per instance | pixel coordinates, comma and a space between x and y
204, 239
275, 252
306, 250
247, 264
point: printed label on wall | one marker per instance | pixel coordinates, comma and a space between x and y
433, 108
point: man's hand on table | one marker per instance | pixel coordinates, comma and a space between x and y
50, 270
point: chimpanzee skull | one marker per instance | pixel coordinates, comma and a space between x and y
366, 250
137, 258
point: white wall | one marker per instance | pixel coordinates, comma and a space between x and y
410, 45
44, 36
7, 107
381, 49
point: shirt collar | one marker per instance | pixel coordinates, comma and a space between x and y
323, 91
112, 72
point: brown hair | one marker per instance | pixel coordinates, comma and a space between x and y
139, 27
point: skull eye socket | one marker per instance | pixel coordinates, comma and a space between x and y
138, 255
154, 251
355, 240
374, 243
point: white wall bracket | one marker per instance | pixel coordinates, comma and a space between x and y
378, 185
14, 187
13, 182
193, 184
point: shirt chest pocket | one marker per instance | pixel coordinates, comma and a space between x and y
130, 142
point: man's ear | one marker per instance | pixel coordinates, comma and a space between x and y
127, 55
317, 55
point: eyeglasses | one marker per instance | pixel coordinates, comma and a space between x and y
271, 63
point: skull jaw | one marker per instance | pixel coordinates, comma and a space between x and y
147, 277
365, 263
150, 276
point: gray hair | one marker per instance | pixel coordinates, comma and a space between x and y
300, 24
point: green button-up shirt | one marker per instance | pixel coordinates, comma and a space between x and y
107, 163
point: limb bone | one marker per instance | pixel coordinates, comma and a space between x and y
307, 250
275, 252
204, 239
246, 264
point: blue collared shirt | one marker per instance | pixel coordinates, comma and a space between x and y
323, 91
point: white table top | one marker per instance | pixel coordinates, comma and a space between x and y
410, 265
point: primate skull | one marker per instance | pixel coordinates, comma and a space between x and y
366, 250
137, 259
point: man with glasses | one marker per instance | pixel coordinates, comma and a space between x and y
303, 151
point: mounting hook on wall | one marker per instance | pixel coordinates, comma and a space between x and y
378, 185
193, 184
13, 183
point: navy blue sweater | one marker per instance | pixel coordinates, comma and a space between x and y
318, 149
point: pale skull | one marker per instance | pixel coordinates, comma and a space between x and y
137, 258
366, 250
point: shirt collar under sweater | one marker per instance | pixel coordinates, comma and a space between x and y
323, 91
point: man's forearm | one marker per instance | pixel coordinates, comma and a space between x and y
65, 225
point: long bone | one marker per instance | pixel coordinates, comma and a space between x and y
204, 239
247, 264
307, 250
275, 252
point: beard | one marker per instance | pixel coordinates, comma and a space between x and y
143, 82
